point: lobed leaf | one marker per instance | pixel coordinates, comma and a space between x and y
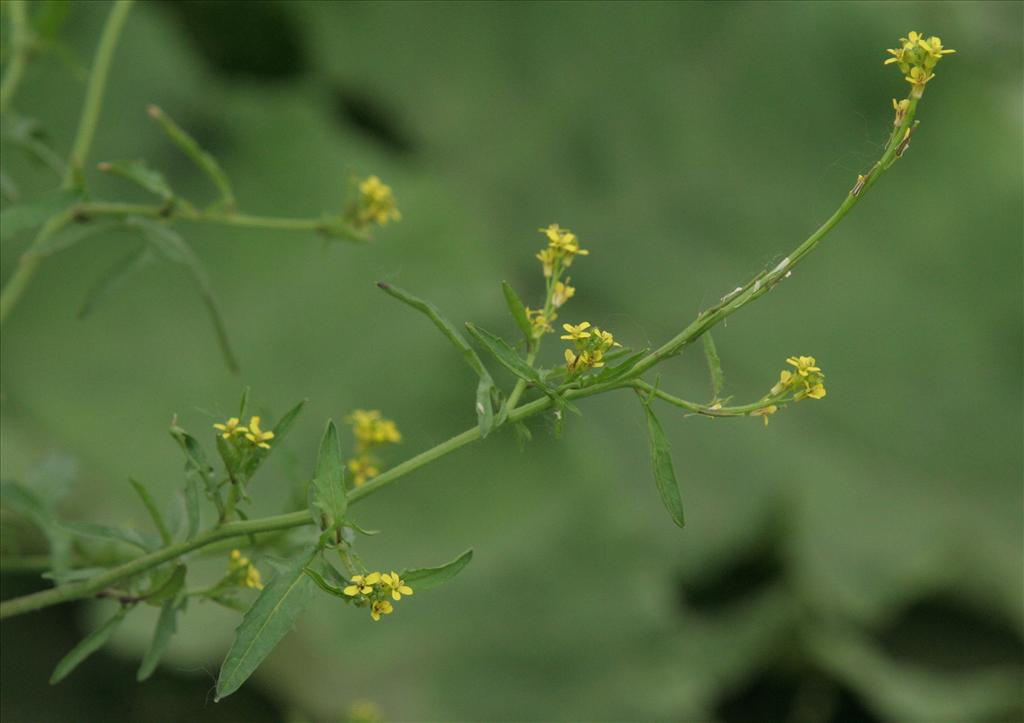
266, 622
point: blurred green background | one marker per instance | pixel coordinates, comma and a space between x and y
859, 559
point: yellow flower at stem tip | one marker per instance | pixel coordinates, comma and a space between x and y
380, 607
230, 427
562, 293
257, 436
376, 202
577, 332
396, 584
804, 364
362, 584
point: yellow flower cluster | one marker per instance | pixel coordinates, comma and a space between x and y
370, 430
233, 428
917, 57
374, 588
376, 204
591, 345
563, 247
806, 380
243, 571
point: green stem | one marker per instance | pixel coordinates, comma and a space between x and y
705, 409
21, 46
94, 92
28, 264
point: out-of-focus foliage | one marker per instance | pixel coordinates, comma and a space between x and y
861, 556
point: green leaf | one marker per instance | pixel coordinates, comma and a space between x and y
191, 501
430, 577
32, 214
280, 431
206, 162
166, 626
93, 642
505, 355
269, 619
518, 311
104, 532
484, 408
74, 233
26, 502
328, 486
196, 469
714, 366
29, 135
138, 172
152, 509
168, 588
243, 403
621, 368
523, 434
324, 585
169, 244
664, 472
129, 264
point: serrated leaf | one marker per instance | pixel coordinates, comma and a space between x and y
269, 619
505, 354
518, 311
664, 471
328, 487
714, 366
166, 626
169, 244
139, 173
32, 214
427, 578
89, 645
105, 532
122, 269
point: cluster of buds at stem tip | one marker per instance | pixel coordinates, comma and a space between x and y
805, 381
374, 204
242, 572
916, 58
232, 430
370, 430
374, 589
563, 246
591, 344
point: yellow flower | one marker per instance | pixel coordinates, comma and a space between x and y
804, 364
933, 46
605, 339
576, 333
916, 58
553, 232
370, 429
570, 360
230, 428
376, 203
562, 293
362, 584
380, 607
901, 108
396, 584
785, 379
547, 258
817, 391
362, 469
919, 76
256, 435
765, 412
244, 571
540, 323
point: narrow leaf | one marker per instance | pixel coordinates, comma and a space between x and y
323, 584
430, 577
714, 365
664, 471
139, 173
104, 532
269, 619
122, 269
621, 367
243, 403
168, 588
206, 162
32, 214
280, 431
173, 247
93, 642
24, 501
191, 503
166, 626
152, 509
484, 410
505, 354
517, 310
329, 481
196, 465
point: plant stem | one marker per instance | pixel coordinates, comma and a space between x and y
21, 46
94, 92
753, 290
